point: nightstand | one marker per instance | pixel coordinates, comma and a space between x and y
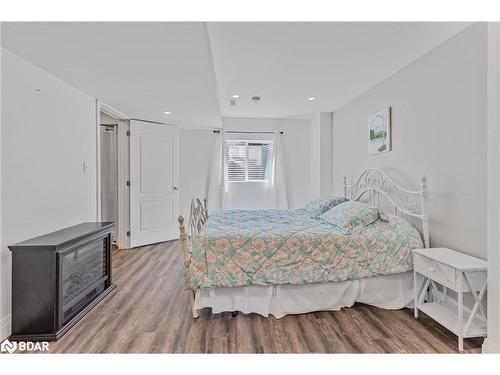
435, 271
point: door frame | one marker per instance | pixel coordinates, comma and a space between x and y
122, 229
492, 342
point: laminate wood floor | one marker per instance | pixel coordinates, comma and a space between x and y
150, 312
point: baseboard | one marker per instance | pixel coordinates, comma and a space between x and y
5, 327
490, 347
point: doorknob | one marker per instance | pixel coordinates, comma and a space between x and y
175, 188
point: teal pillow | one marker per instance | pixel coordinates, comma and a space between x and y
319, 206
350, 217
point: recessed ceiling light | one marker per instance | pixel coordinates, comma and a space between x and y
236, 96
311, 98
167, 113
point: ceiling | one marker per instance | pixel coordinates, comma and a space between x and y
286, 63
141, 69
192, 69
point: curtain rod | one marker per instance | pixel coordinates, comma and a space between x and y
242, 132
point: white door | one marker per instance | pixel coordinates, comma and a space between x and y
154, 176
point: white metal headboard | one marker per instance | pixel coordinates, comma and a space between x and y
198, 215
374, 182
371, 184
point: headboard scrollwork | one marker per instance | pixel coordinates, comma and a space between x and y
374, 183
198, 216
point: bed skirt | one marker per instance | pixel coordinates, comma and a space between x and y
387, 292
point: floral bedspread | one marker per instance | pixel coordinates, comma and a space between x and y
265, 247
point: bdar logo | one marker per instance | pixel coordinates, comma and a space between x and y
8, 346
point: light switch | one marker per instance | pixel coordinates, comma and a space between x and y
85, 167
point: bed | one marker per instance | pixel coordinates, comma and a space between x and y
279, 262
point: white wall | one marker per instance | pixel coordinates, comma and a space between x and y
326, 151
315, 160
439, 128
196, 150
107, 119
4, 320
492, 342
195, 147
321, 155
46, 137
296, 155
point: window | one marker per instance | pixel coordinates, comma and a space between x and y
248, 160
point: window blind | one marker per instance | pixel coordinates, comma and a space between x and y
248, 160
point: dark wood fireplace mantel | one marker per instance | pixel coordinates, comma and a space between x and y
57, 278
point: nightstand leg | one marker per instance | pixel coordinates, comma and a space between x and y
460, 314
415, 295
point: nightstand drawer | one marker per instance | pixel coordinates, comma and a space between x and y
436, 271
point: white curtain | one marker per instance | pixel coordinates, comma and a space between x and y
216, 180
278, 181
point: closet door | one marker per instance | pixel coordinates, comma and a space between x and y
154, 176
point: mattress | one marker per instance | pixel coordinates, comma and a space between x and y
237, 248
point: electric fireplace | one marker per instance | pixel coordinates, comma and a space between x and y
57, 278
